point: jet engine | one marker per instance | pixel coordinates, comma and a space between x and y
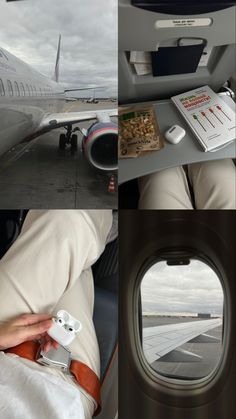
100, 145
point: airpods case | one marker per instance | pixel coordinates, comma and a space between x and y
175, 134
64, 328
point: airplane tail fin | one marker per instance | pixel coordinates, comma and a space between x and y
56, 72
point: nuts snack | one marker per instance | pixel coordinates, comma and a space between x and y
138, 131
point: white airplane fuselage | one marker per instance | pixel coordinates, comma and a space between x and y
26, 96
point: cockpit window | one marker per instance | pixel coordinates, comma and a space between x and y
182, 319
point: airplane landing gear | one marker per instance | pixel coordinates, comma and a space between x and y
68, 139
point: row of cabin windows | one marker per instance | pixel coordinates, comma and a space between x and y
19, 89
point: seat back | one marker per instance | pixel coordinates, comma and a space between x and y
105, 272
10, 225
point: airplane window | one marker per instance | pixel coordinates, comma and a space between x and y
182, 316
22, 89
27, 89
10, 89
2, 54
2, 90
16, 88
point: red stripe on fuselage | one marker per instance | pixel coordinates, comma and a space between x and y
97, 131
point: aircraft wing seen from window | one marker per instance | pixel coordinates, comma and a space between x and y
56, 120
161, 340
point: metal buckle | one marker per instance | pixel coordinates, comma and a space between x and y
57, 358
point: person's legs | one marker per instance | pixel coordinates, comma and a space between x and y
166, 189
48, 268
48, 257
214, 184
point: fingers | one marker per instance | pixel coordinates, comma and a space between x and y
28, 319
49, 343
36, 329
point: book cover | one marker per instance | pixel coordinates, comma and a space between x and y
211, 119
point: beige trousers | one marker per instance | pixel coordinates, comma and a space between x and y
49, 268
213, 183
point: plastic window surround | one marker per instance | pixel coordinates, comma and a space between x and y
172, 382
179, 312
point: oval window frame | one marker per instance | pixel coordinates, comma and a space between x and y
178, 393
176, 257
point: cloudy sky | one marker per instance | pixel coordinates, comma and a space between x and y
193, 288
30, 30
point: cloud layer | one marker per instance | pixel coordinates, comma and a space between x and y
194, 288
30, 29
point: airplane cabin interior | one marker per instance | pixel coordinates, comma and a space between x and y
172, 47
148, 238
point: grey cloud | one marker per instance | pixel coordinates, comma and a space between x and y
194, 288
30, 29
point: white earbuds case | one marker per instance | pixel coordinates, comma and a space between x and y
175, 134
64, 328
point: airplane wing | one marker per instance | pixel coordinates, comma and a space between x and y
162, 340
56, 120
84, 88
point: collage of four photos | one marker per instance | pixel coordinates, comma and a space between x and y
117, 209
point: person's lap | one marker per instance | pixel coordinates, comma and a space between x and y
213, 184
48, 268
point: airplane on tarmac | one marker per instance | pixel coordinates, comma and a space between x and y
32, 104
92, 99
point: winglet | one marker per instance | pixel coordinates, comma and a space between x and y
56, 72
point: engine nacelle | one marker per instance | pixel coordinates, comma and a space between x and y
100, 145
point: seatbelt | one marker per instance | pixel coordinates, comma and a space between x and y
84, 376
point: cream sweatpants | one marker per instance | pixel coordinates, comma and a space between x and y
49, 268
213, 183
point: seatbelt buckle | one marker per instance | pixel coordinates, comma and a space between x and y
59, 358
